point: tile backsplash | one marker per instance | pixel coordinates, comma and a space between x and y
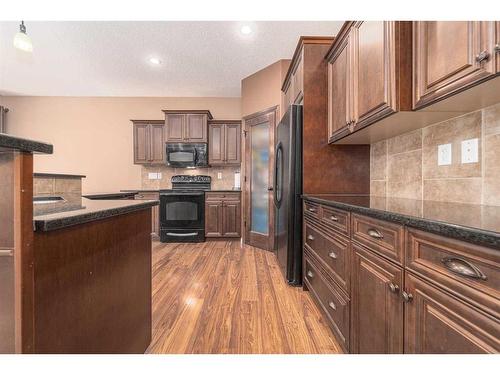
406, 166
226, 182
57, 186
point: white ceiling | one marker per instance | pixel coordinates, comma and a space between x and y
111, 58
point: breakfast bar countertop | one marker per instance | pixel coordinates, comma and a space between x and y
474, 223
77, 210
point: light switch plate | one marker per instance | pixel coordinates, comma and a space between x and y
219, 175
154, 176
444, 154
470, 151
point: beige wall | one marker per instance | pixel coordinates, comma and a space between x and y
406, 166
262, 89
93, 135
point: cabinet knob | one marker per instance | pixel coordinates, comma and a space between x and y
497, 48
334, 218
332, 305
332, 255
407, 297
482, 56
394, 287
310, 274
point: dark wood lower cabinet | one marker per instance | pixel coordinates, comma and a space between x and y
155, 211
376, 305
223, 215
437, 322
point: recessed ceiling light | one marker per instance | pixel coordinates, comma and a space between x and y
246, 30
155, 60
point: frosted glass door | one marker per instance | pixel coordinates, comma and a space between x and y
260, 179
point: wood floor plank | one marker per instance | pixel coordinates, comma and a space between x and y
226, 297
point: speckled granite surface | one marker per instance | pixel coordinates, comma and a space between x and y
80, 210
473, 223
23, 144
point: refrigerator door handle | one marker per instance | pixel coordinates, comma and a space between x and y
278, 189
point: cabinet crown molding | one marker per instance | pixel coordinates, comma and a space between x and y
188, 111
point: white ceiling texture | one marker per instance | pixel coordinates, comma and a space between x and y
112, 58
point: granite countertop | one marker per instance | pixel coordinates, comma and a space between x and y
473, 223
78, 210
62, 175
111, 194
23, 144
158, 190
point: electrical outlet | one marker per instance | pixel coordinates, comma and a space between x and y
444, 154
470, 151
219, 175
158, 176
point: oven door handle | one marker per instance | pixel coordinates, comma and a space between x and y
174, 193
182, 234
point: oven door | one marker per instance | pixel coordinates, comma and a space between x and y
182, 210
181, 155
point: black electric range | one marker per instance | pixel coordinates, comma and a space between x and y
182, 209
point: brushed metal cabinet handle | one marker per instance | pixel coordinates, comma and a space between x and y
310, 274
332, 305
372, 232
394, 287
407, 297
462, 267
334, 218
310, 237
482, 56
332, 255
311, 209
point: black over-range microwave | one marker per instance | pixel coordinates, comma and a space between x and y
186, 155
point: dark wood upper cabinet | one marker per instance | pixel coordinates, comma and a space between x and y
450, 56
224, 142
369, 75
376, 305
148, 141
185, 126
437, 322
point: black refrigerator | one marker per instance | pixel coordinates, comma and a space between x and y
287, 194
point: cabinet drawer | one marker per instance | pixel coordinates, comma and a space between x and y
468, 271
333, 252
312, 210
222, 196
383, 237
147, 196
336, 219
330, 300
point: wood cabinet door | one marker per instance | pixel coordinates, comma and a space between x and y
339, 91
175, 125
231, 219
213, 218
157, 143
141, 143
216, 144
436, 322
374, 71
376, 305
232, 141
298, 81
449, 56
196, 128
155, 217
497, 46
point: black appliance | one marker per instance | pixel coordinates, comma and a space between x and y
287, 194
182, 209
186, 155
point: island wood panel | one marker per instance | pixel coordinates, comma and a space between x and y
226, 297
93, 286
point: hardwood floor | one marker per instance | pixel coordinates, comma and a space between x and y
224, 297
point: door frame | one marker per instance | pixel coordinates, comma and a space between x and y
269, 115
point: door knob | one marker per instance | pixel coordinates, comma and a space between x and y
270, 188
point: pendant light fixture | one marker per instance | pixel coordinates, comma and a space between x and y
21, 40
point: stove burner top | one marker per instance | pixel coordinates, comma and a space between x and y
185, 182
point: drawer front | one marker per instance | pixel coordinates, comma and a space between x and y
333, 252
312, 210
147, 196
222, 196
336, 219
468, 271
383, 237
330, 300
